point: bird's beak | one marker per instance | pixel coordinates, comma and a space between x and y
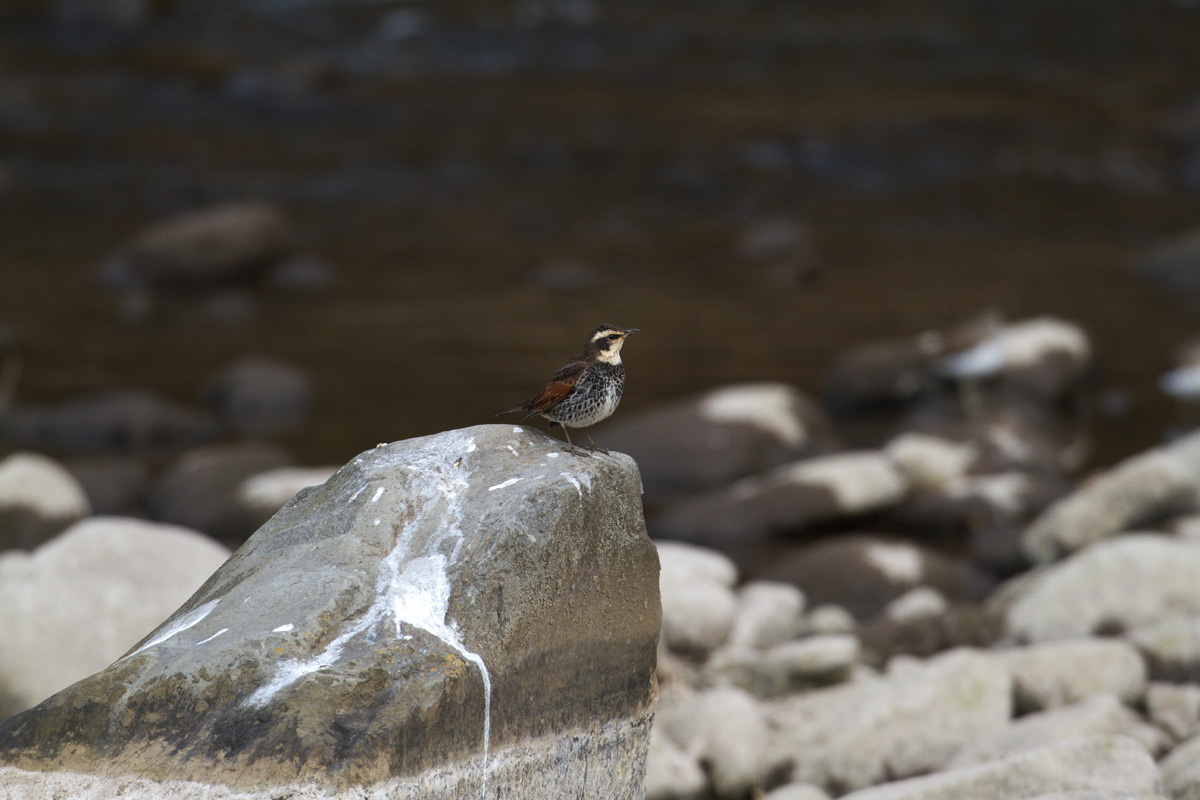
632, 330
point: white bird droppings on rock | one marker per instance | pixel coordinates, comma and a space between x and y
506, 483
188, 620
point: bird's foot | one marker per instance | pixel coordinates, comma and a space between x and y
595, 449
575, 451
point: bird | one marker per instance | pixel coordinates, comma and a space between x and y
586, 389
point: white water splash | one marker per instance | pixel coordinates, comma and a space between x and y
180, 625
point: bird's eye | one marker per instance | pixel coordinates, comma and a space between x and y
614, 336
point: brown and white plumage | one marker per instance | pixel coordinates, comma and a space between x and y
587, 388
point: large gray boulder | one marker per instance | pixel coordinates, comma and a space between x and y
473, 607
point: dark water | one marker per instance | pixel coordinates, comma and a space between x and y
490, 181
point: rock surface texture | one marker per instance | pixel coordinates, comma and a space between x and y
468, 614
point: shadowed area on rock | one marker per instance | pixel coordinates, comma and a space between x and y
477, 600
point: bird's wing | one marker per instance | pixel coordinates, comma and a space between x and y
557, 390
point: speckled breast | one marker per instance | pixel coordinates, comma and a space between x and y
595, 398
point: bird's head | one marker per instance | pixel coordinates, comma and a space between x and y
606, 342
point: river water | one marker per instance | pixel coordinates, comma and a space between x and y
757, 186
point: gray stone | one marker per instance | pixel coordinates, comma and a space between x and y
201, 488
796, 791
1153, 485
1171, 647
788, 667
77, 603
1181, 771
726, 729
115, 484
211, 246
768, 613
265, 493
475, 605
671, 774
108, 422
915, 604
261, 396
930, 462
1098, 715
38, 499
796, 495
688, 563
1111, 764
827, 618
706, 441
1174, 708
864, 573
1133, 580
698, 603
910, 721
1057, 673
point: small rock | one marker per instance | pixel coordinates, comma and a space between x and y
1174, 266
1159, 483
796, 791
788, 667
1181, 770
883, 376
795, 496
727, 730
1098, 715
929, 462
1114, 764
910, 721
266, 492
214, 246
671, 774
109, 422
77, 603
115, 484
1171, 647
865, 573
961, 625
768, 613
698, 604
200, 489
38, 499
1174, 708
708, 440
302, 273
1057, 673
1133, 580
1043, 356
828, 618
697, 617
261, 396
916, 603
688, 563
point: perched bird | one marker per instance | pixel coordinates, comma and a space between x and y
586, 389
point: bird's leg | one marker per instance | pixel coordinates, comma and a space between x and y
594, 448
574, 450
